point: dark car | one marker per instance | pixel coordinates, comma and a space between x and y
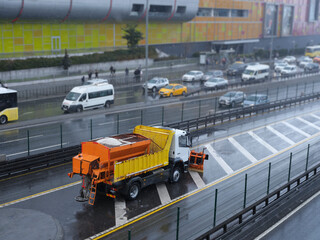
311, 67
236, 69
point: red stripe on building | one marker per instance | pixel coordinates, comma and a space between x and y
20, 12
105, 18
174, 10
69, 11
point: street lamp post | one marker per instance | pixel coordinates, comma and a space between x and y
147, 51
270, 56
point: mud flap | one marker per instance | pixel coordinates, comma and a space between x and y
84, 191
196, 160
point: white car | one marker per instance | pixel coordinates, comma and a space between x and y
156, 83
305, 62
278, 67
215, 83
289, 70
192, 76
290, 59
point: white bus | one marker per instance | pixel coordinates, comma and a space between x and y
88, 97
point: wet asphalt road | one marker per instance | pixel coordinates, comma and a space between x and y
277, 129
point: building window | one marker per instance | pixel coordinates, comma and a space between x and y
221, 12
181, 9
313, 10
205, 12
160, 9
239, 13
137, 9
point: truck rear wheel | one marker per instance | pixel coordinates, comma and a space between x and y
175, 175
133, 191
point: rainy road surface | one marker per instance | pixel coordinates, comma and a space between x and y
241, 147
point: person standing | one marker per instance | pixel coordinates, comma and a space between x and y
90, 74
96, 73
127, 71
82, 80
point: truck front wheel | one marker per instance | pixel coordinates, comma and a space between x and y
133, 191
176, 174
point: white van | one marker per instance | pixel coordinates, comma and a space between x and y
88, 97
256, 72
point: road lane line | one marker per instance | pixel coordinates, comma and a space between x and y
40, 194
20, 139
219, 159
120, 211
242, 150
315, 116
264, 143
308, 123
197, 179
283, 137
37, 149
287, 216
163, 193
297, 129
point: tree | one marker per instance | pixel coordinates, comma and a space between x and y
132, 35
66, 62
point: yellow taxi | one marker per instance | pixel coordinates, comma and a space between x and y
173, 90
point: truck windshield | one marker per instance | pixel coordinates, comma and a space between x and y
72, 96
184, 141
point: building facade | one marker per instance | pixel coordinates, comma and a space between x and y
28, 27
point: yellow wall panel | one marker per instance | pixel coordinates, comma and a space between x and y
7, 27
8, 45
55, 32
28, 48
64, 45
18, 41
18, 48
28, 37
7, 34
27, 26
17, 30
37, 27
80, 29
37, 33
46, 40
46, 47
80, 45
46, 30
37, 44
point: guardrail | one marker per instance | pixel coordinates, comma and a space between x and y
240, 113
257, 209
34, 162
65, 154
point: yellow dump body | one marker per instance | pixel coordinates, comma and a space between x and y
158, 157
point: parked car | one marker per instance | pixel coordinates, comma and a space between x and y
289, 70
290, 59
173, 90
215, 83
311, 67
305, 62
210, 74
236, 69
192, 76
156, 83
280, 66
231, 99
302, 59
255, 99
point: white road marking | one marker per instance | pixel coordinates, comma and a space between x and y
26, 113
315, 116
20, 139
283, 137
308, 123
120, 211
264, 143
163, 193
37, 149
197, 179
242, 150
297, 129
287, 216
39, 194
219, 159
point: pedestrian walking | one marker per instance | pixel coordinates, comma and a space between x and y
90, 74
96, 73
111, 70
82, 80
127, 71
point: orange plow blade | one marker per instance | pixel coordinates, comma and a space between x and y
196, 160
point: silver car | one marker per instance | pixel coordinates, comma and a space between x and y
156, 83
231, 99
192, 76
215, 83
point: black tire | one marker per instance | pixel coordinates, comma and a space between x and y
107, 104
175, 175
154, 89
133, 190
171, 95
79, 109
3, 119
